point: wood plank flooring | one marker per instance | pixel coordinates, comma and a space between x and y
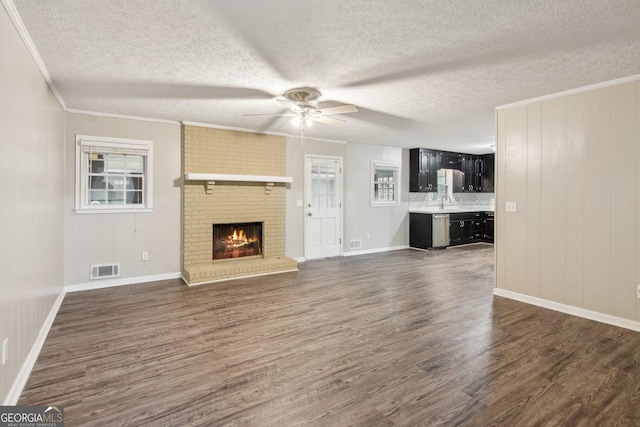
405, 338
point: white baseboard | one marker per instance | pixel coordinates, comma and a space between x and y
25, 370
374, 251
109, 283
569, 309
300, 259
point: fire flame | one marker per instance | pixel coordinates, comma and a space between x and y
239, 238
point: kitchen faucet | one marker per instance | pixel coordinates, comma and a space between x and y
442, 200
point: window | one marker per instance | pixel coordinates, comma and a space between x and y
113, 175
385, 187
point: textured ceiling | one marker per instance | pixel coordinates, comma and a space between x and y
421, 72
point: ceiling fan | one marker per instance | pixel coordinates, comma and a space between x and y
303, 110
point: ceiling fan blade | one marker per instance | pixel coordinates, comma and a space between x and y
269, 115
341, 109
329, 120
288, 122
289, 104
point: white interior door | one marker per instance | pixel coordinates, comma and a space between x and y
323, 207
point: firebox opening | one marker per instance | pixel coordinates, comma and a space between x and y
237, 240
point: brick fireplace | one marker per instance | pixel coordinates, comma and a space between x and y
224, 202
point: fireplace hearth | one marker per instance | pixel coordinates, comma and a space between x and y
237, 240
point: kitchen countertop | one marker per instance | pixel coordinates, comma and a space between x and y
452, 209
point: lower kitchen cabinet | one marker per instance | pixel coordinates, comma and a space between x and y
420, 230
488, 227
464, 228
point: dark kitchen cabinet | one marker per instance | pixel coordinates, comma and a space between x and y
488, 173
423, 166
420, 230
449, 160
465, 228
469, 169
488, 227
475, 179
477, 170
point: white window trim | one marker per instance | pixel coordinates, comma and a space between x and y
385, 164
111, 143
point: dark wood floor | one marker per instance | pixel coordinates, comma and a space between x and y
403, 338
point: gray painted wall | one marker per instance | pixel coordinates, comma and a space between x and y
122, 237
388, 226
31, 183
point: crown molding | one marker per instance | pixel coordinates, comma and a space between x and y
582, 89
26, 38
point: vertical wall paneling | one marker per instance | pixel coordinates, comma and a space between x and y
623, 200
533, 197
574, 214
587, 206
552, 207
597, 195
637, 260
515, 189
31, 184
500, 199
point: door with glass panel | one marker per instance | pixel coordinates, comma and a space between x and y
323, 207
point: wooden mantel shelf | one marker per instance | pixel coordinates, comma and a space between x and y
211, 179
242, 178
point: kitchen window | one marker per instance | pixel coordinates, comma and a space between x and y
385, 185
113, 175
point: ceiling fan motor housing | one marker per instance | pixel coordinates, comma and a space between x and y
302, 95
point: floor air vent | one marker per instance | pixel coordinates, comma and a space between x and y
100, 271
355, 244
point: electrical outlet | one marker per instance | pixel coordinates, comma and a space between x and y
5, 350
511, 207
638, 291
368, 235
145, 256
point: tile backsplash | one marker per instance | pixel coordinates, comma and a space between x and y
417, 200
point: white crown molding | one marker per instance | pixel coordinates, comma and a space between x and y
22, 30
27, 366
569, 309
296, 138
601, 85
121, 116
237, 129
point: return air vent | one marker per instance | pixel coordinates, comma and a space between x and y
100, 271
355, 244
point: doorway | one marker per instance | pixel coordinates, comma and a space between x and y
323, 207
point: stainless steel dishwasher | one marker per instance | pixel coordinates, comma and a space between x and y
440, 227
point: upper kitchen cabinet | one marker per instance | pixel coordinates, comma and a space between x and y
453, 161
478, 173
423, 165
477, 170
488, 175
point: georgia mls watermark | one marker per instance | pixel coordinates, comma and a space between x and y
31, 416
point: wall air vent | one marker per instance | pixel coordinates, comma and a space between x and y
355, 244
101, 271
